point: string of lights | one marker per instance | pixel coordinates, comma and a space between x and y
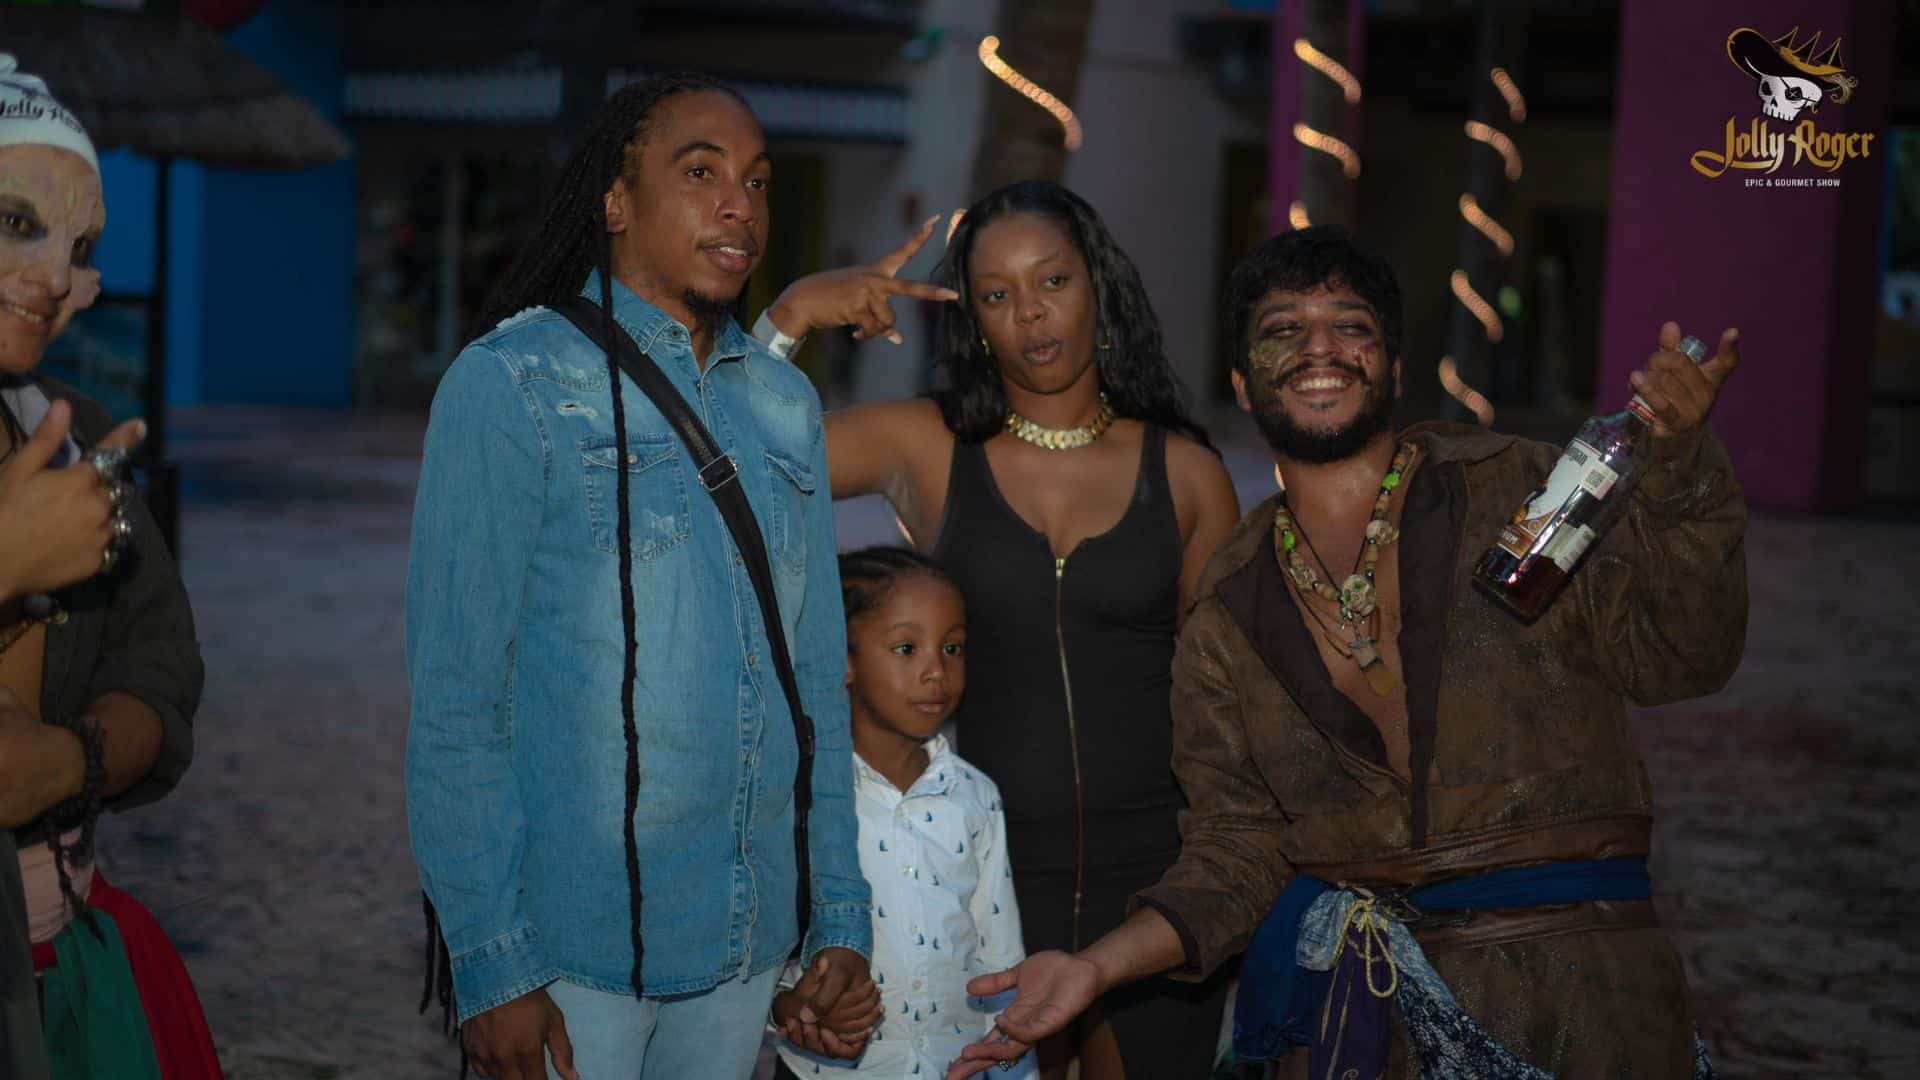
1313, 139
1496, 234
990, 59
1475, 402
1497, 139
1516, 104
1327, 144
1475, 303
1491, 229
1328, 66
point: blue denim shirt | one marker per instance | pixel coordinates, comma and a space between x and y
516, 756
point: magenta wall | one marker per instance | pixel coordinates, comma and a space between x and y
1283, 151
1795, 269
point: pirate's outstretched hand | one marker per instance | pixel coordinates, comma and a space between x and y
1680, 392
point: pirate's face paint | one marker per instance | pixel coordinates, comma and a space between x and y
1318, 379
51, 214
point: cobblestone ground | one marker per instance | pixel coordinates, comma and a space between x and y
1785, 852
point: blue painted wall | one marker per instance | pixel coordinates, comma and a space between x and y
260, 272
125, 257
277, 309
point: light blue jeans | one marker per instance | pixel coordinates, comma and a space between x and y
714, 1034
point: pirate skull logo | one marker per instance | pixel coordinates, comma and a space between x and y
1791, 76
1783, 96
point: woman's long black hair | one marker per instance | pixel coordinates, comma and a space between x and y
1129, 356
571, 242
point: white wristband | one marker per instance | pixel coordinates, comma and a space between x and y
774, 338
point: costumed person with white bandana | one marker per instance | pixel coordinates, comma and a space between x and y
100, 673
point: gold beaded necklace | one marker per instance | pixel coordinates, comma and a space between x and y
1355, 597
1071, 438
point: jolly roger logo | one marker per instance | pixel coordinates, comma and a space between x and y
1792, 79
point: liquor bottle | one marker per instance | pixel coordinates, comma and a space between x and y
1587, 491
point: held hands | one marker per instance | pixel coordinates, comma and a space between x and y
857, 296
53, 522
512, 1041
834, 1008
1053, 988
1680, 392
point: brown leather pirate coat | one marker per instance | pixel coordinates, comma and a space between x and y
1520, 747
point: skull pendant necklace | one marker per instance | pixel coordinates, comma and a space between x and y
1355, 598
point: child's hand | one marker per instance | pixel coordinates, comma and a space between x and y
857, 1012
844, 1030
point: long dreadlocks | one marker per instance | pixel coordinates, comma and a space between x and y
571, 242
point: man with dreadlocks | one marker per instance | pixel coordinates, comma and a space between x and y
601, 763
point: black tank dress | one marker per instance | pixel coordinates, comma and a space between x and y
1067, 709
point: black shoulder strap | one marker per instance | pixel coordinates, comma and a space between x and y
720, 477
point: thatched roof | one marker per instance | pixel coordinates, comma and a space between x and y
168, 87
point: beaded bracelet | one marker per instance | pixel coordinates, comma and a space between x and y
83, 807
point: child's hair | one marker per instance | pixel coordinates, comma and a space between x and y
867, 574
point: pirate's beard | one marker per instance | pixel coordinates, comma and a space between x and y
1308, 445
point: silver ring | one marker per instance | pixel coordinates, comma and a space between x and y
107, 461
108, 559
1694, 348
121, 526
119, 494
1007, 1066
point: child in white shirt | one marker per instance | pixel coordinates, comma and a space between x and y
933, 839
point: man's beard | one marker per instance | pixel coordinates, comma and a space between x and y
707, 311
1317, 446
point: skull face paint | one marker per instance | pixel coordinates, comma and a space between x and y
51, 214
1317, 382
1784, 96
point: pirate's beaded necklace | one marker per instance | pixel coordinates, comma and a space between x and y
1355, 597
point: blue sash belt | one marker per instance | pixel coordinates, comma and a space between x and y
1280, 1000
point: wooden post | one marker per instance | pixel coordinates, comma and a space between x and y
163, 481
1020, 140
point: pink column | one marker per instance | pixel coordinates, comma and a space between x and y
1793, 267
1283, 150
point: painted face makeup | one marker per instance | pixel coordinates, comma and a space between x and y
1317, 381
51, 215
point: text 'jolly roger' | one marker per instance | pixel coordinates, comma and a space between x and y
1791, 78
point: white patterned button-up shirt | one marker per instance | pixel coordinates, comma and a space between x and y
943, 912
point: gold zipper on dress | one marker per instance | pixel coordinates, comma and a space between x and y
1073, 739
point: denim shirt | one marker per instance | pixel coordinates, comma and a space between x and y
516, 754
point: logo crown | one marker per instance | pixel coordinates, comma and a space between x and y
1805, 52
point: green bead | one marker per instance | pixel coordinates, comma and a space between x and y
1392, 481
1286, 539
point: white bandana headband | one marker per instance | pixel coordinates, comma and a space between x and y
29, 115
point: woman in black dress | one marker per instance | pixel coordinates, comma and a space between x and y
1057, 476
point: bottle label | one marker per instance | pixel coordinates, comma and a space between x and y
1580, 468
1566, 546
